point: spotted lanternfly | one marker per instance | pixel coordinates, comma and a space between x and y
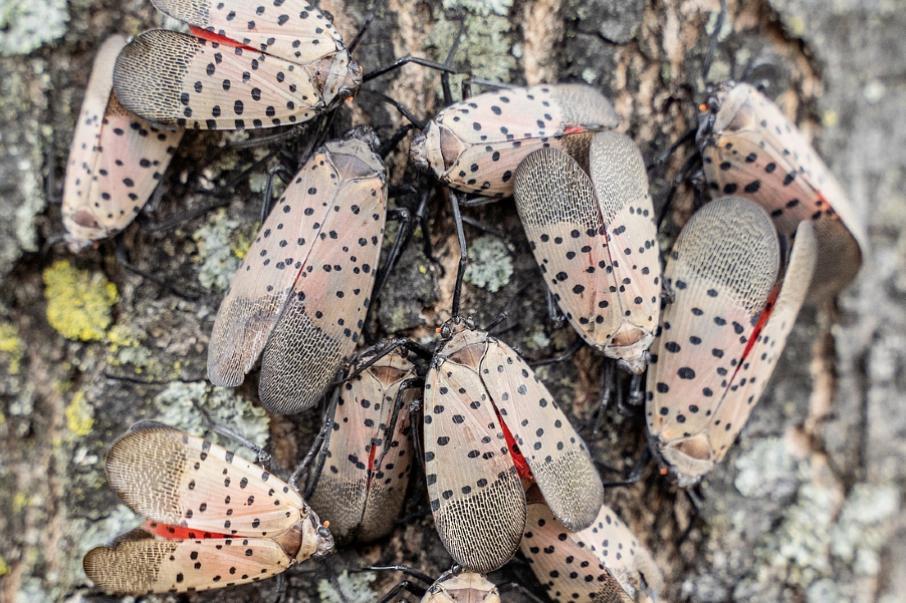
595, 240
475, 145
451, 587
463, 587
244, 65
216, 520
489, 424
116, 159
302, 292
362, 485
723, 332
603, 562
750, 149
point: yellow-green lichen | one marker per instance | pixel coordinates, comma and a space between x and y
79, 415
11, 347
124, 347
4, 567
79, 302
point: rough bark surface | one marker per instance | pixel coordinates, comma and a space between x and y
805, 508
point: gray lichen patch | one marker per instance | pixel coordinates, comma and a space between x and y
26, 25
220, 249
490, 265
179, 403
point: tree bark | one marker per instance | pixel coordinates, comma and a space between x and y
804, 508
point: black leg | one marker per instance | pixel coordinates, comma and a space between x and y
280, 588
553, 309
319, 446
267, 197
122, 258
409, 571
509, 587
400, 62
445, 76
361, 33
661, 158
403, 235
421, 215
478, 201
463, 252
262, 457
636, 473
563, 356
394, 141
636, 391
392, 595
390, 427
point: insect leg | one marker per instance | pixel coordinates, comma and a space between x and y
122, 257
478, 201
563, 356
405, 586
400, 62
319, 446
635, 474
445, 76
390, 427
403, 235
421, 214
607, 381
267, 198
463, 251
361, 33
409, 571
510, 587
262, 457
404, 111
392, 142
553, 310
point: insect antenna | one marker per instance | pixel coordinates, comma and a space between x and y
713, 39
361, 33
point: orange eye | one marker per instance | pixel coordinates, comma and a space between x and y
702, 107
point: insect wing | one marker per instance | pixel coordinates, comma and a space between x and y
476, 145
604, 562
476, 494
115, 161
556, 454
568, 235
174, 478
372, 494
754, 151
722, 270
179, 79
759, 360
621, 186
291, 29
325, 313
264, 281
143, 565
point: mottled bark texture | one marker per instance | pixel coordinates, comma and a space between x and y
805, 508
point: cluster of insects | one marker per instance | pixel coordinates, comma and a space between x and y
505, 469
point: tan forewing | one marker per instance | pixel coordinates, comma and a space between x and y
755, 152
174, 478
372, 494
324, 315
115, 161
568, 235
621, 188
149, 565
263, 284
556, 454
476, 494
477, 144
755, 369
721, 272
604, 562
178, 79
292, 29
